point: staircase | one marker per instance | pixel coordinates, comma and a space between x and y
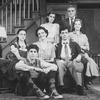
16, 14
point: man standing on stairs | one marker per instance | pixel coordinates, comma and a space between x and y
68, 22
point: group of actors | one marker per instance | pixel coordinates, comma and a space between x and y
41, 66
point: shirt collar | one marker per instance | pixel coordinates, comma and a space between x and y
65, 42
73, 18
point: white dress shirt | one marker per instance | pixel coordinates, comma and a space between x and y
63, 50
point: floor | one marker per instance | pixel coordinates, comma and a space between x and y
92, 94
96, 84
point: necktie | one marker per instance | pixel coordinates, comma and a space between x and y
66, 53
71, 29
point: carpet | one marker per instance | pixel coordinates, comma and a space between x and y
91, 95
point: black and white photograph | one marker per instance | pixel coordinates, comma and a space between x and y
49, 49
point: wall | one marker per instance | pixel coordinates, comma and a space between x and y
91, 18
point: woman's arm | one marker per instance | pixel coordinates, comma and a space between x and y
85, 46
16, 52
22, 66
57, 34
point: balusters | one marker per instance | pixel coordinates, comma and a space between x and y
14, 11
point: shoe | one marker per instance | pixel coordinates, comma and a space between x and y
55, 94
41, 95
60, 89
80, 90
86, 87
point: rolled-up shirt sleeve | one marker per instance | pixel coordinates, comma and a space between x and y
51, 66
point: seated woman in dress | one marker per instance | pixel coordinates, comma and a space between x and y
52, 27
46, 49
19, 48
18, 52
7, 66
82, 40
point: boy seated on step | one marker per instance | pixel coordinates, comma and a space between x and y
36, 75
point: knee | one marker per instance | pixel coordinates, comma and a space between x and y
54, 67
78, 67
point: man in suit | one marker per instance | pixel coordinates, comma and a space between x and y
67, 58
68, 22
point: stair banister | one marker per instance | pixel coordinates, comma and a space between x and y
11, 18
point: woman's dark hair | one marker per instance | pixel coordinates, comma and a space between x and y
41, 28
51, 12
63, 28
18, 38
33, 46
20, 30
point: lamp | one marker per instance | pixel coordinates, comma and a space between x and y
3, 33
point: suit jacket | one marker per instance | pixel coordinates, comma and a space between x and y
66, 24
75, 50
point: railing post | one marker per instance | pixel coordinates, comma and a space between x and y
6, 18
19, 12
15, 18
33, 5
24, 7
29, 8
11, 23
13, 11
2, 17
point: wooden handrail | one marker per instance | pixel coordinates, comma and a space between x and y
13, 13
26, 30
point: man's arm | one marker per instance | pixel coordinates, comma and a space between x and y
24, 67
78, 58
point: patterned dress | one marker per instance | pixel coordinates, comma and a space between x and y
46, 53
53, 31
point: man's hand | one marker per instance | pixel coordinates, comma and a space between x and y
38, 69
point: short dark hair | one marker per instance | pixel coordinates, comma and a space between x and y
39, 28
33, 46
63, 28
21, 30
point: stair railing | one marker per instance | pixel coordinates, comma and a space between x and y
12, 13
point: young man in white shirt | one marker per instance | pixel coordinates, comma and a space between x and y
69, 60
